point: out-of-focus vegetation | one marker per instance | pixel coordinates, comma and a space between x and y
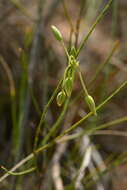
51, 89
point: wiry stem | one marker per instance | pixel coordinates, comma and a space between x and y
30, 156
44, 114
99, 18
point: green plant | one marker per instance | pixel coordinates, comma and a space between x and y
63, 95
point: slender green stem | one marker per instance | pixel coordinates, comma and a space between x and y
90, 113
112, 95
99, 18
95, 130
72, 29
35, 102
101, 66
111, 123
99, 69
114, 17
54, 128
44, 114
78, 22
70, 40
111, 132
18, 173
65, 49
50, 144
83, 84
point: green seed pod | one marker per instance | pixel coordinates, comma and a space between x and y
61, 98
56, 33
68, 83
90, 102
69, 71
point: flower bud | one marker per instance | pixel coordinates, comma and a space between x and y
69, 71
60, 98
68, 86
56, 33
90, 102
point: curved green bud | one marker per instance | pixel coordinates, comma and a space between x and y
68, 83
68, 72
56, 33
90, 102
61, 98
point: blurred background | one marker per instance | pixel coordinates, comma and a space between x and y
31, 64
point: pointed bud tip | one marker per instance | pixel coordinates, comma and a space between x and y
56, 33
90, 102
68, 86
60, 98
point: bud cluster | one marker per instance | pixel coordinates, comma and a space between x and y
68, 79
67, 84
